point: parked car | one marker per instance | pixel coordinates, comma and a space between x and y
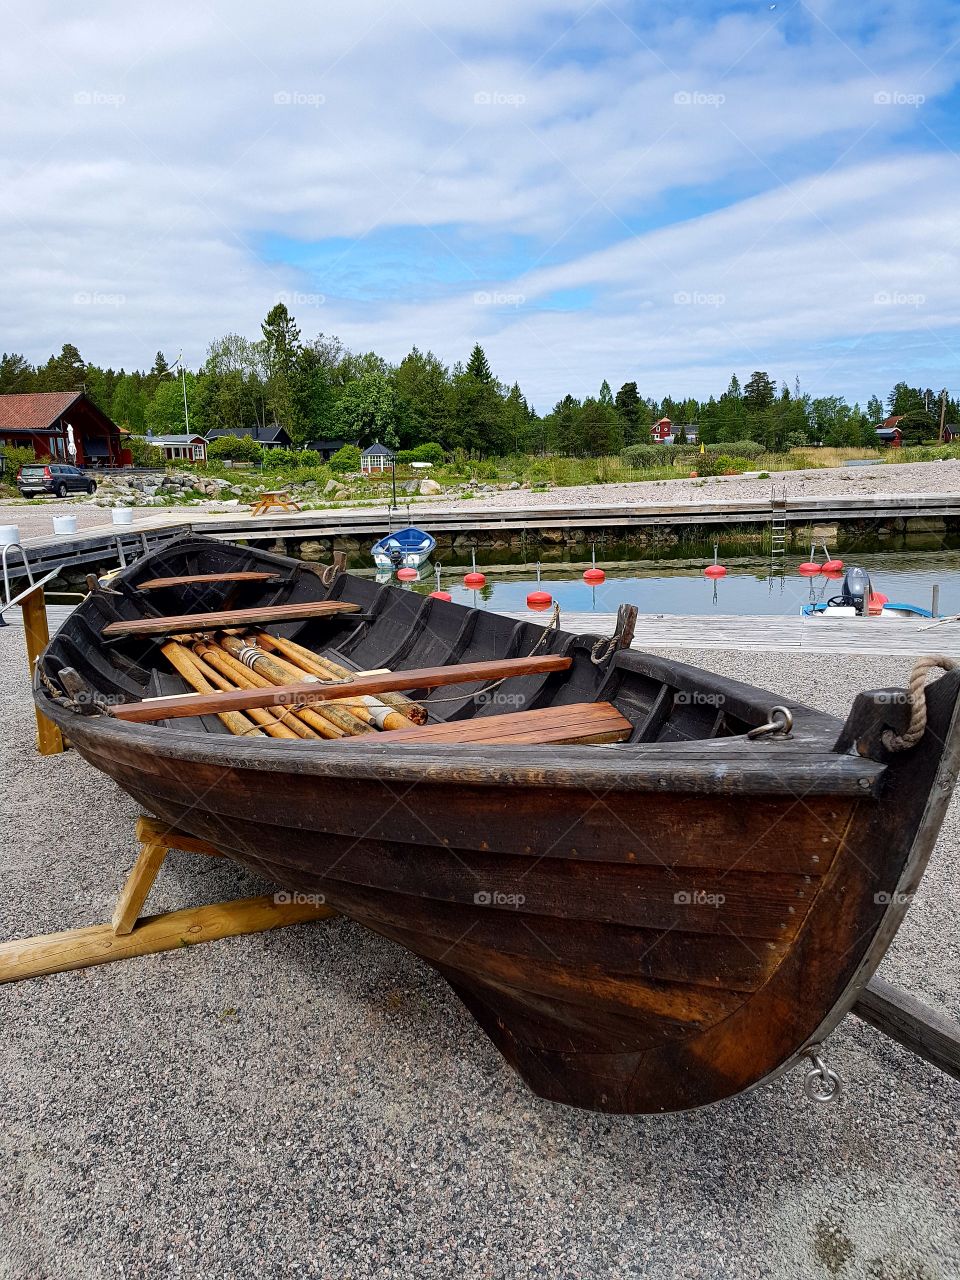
53, 477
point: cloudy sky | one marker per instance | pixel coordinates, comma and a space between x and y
666, 193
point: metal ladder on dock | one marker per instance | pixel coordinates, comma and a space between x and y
778, 521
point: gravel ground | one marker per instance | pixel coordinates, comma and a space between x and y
314, 1102
908, 477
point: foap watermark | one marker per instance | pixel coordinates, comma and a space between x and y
98, 98
698, 898
896, 98
296, 299
497, 698
296, 98
293, 897
494, 898
696, 298
892, 298
893, 899
497, 98
695, 98
493, 299
85, 298
698, 698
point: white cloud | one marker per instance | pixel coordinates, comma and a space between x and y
152, 160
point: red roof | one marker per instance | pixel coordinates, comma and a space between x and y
36, 411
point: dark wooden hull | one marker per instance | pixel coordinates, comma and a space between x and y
641, 928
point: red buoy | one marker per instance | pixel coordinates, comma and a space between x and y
808, 568
440, 595
715, 571
834, 574
474, 579
407, 575
594, 575
832, 566
539, 600
876, 602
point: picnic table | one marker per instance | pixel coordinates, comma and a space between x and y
278, 498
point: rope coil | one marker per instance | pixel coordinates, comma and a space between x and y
916, 691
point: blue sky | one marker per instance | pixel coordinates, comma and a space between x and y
592, 190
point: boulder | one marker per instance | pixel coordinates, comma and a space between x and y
331, 486
429, 487
311, 551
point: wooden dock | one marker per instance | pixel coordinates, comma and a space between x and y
872, 637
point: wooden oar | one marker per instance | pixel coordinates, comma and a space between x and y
328, 670
186, 664
227, 618
306, 694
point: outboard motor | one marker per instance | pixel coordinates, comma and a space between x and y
856, 589
396, 555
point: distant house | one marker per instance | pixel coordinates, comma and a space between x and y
182, 448
327, 448
889, 432
49, 422
271, 437
664, 431
951, 432
378, 457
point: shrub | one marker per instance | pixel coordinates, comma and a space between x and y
298, 458
718, 464
143, 453
737, 448
429, 452
647, 455
234, 449
15, 457
346, 459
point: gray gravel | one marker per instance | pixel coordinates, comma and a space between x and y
314, 1102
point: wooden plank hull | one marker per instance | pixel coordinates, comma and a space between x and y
641, 928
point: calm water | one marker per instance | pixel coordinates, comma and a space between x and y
751, 586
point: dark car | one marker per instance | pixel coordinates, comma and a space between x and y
53, 477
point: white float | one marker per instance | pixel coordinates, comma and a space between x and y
123, 515
9, 535
64, 524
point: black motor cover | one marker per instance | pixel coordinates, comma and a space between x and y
856, 588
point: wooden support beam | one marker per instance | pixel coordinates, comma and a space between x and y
305, 694
227, 618
911, 1023
125, 936
81, 948
37, 632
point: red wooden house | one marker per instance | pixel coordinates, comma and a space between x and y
47, 422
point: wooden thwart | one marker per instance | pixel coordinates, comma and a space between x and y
580, 722
127, 936
304, 694
199, 579
228, 618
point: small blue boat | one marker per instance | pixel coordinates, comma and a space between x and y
405, 549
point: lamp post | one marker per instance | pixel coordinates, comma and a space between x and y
393, 466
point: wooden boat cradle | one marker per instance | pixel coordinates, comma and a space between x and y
621, 1002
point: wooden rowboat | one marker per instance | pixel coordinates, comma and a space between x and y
643, 918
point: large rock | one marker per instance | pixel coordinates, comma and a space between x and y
429, 487
311, 551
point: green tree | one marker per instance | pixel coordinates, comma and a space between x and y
478, 366
64, 372
760, 392
904, 399
628, 406
16, 374
280, 350
128, 406
875, 410
422, 383
368, 409
164, 413
346, 459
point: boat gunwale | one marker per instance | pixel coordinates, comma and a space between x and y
714, 765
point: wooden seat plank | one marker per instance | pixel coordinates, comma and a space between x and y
227, 618
198, 579
582, 722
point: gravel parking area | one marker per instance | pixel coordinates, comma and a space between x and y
315, 1102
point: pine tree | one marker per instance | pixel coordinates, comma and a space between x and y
478, 366
628, 405
16, 374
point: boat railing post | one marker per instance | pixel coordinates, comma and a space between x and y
935, 600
